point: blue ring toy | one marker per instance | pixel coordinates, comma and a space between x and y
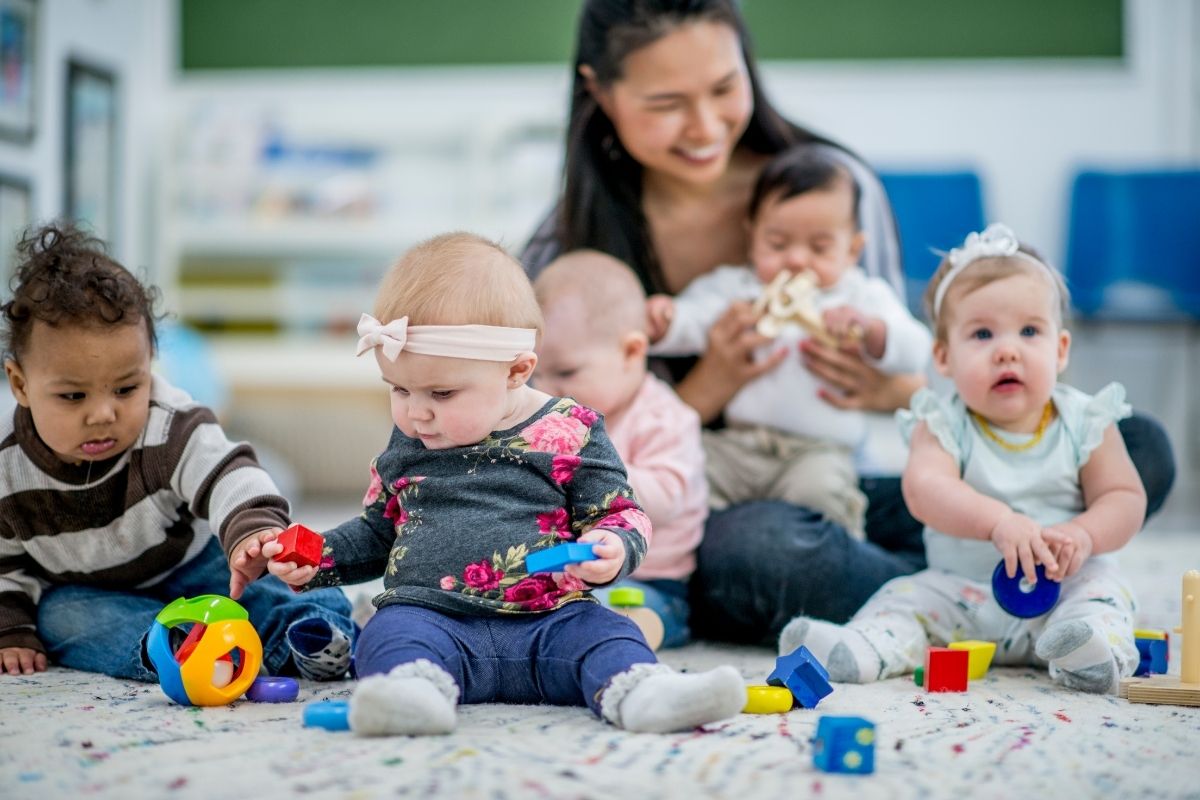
332, 715
273, 690
1037, 601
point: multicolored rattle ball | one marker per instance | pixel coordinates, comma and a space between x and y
219, 659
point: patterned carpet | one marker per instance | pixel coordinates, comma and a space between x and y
65, 734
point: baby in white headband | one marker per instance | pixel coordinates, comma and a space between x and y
481, 471
1014, 464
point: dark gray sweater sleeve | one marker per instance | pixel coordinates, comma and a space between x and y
600, 497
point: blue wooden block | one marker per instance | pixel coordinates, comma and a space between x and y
553, 559
803, 675
1153, 653
844, 744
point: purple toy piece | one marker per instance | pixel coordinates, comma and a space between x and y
273, 690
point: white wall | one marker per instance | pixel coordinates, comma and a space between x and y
1024, 125
128, 38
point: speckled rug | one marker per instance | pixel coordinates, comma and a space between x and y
66, 734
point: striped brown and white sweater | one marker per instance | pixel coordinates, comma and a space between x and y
127, 522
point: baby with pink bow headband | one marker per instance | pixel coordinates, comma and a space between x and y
481, 471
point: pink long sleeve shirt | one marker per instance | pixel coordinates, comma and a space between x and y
658, 437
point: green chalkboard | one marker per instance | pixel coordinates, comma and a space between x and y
282, 34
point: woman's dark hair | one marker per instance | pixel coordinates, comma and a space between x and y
799, 170
64, 277
601, 207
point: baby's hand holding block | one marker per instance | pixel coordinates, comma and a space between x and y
301, 546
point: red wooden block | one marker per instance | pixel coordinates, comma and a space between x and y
301, 546
946, 669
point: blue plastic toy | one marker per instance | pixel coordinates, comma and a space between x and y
844, 744
332, 715
803, 675
553, 559
1023, 599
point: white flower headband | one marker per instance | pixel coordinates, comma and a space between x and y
996, 240
481, 342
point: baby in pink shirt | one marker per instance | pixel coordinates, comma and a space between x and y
594, 350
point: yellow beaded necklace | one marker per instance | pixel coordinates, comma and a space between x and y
1038, 433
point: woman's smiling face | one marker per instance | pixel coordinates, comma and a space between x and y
682, 102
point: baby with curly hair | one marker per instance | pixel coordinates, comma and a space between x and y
113, 484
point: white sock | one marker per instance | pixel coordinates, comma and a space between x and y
414, 699
1080, 657
844, 652
653, 698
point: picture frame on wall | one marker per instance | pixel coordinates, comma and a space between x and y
16, 214
91, 148
18, 27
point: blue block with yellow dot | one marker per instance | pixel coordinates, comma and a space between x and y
844, 744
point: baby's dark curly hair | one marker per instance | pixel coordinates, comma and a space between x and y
65, 277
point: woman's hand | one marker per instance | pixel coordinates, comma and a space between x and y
729, 363
854, 383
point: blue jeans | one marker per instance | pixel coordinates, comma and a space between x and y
104, 630
665, 597
762, 563
564, 657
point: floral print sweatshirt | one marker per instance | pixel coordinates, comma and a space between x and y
450, 529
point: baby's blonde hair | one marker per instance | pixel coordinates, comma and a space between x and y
611, 295
458, 279
980, 273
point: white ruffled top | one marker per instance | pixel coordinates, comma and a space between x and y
1041, 482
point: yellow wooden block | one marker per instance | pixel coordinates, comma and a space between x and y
979, 656
768, 700
1148, 633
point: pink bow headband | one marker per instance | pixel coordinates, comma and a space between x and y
480, 342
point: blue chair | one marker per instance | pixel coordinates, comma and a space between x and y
934, 212
1133, 245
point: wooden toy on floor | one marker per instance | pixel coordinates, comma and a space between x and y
803, 675
790, 298
631, 602
844, 744
979, 656
768, 700
1168, 689
1153, 652
946, 670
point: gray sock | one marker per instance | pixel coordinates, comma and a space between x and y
844, 652
321, 651
653, 698
1079, 656
414, 699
